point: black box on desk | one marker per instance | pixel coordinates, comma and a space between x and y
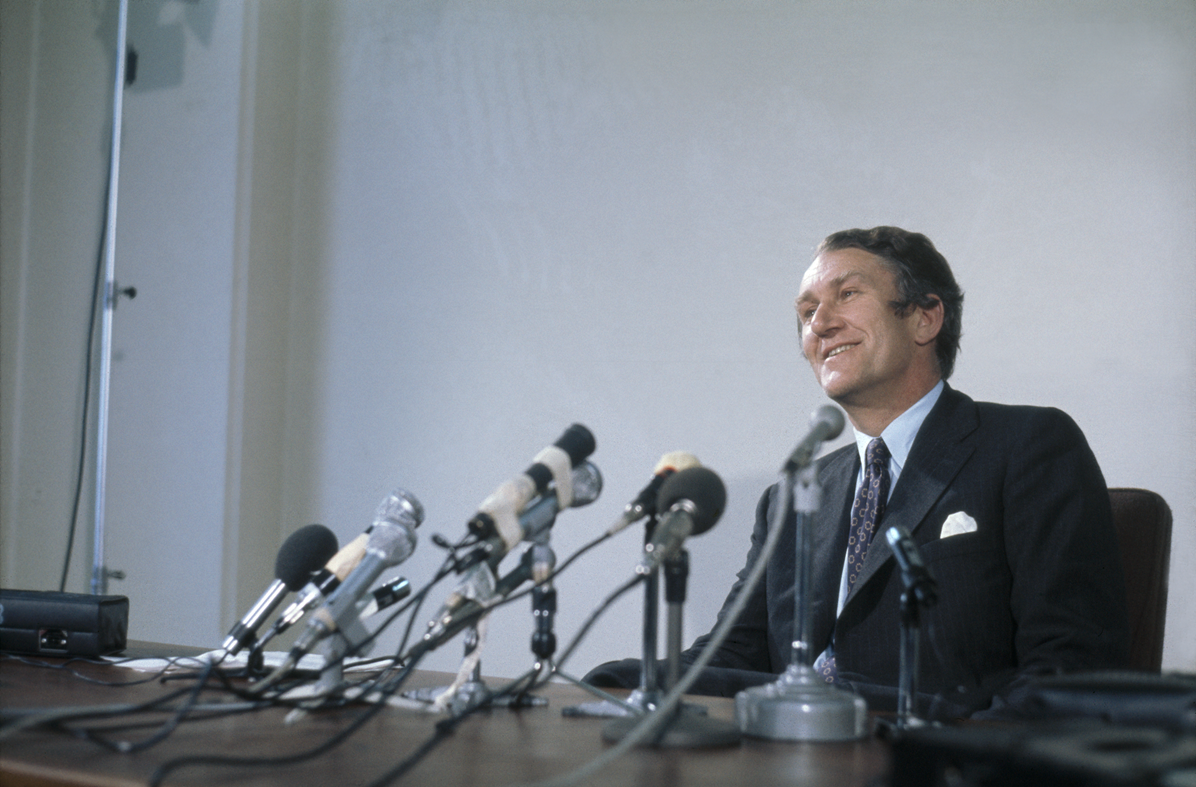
62, 624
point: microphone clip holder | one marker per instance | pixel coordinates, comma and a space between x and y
350, 637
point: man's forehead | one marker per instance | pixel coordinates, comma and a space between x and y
836, 268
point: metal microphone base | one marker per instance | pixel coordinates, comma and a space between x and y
689, 728
637, 704
801, 706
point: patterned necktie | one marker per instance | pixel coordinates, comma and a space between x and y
868, 508
866, 511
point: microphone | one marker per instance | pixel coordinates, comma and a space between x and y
479, 583
914, 573
825, 424
586, 483
301, 554
541, 515
391, 541
644, 503
338, 567
693, 500
498, 514
388, 593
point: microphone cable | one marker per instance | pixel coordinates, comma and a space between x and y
494, 604
651, 723
166, 768
88, 361
383, 686
65, 666
169, 726
446, 727
593, 617
61, 719
17, 721
521, 685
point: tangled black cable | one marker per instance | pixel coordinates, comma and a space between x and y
164, 731
385, 686
381, 688
372, 710
62, 718
445, 727
66, 666
376, 690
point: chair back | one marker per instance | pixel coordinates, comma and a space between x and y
1143, 522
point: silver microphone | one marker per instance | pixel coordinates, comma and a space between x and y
825, 424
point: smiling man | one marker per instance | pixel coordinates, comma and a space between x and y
1006, 503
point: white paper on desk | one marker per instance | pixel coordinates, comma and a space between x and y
271, 659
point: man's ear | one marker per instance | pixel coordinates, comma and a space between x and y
929, 321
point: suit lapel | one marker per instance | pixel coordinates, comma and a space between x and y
938, 452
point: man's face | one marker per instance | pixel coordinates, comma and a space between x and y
862, 353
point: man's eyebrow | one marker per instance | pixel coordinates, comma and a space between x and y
844, 277
805, 296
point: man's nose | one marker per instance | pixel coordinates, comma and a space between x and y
824, 320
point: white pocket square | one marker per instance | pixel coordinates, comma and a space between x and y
957, 523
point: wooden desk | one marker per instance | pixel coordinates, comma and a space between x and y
492, 747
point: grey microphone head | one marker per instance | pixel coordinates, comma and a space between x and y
393, 532
392, 542
825, 424
400, 507
587, 484
828, 420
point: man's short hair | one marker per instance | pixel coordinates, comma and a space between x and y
922, 275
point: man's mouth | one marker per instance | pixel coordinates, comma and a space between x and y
840, 349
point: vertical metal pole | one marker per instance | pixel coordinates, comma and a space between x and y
99, 571
649, 685
907, 681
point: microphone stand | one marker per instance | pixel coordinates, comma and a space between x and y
543, 644
800, 705
676, 575
647, 696
474, 691
689, 727
334, 646
920, 593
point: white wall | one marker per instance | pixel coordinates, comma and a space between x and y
406, 244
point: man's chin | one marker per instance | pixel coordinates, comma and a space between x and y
837, 388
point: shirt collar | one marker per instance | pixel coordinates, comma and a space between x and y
899, 435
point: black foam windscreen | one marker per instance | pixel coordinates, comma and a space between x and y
578, 442
305, 551
702, 487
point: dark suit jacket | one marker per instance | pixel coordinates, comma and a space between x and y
1037, 588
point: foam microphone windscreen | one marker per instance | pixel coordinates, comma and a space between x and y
702, 487
305, 551
578, 442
